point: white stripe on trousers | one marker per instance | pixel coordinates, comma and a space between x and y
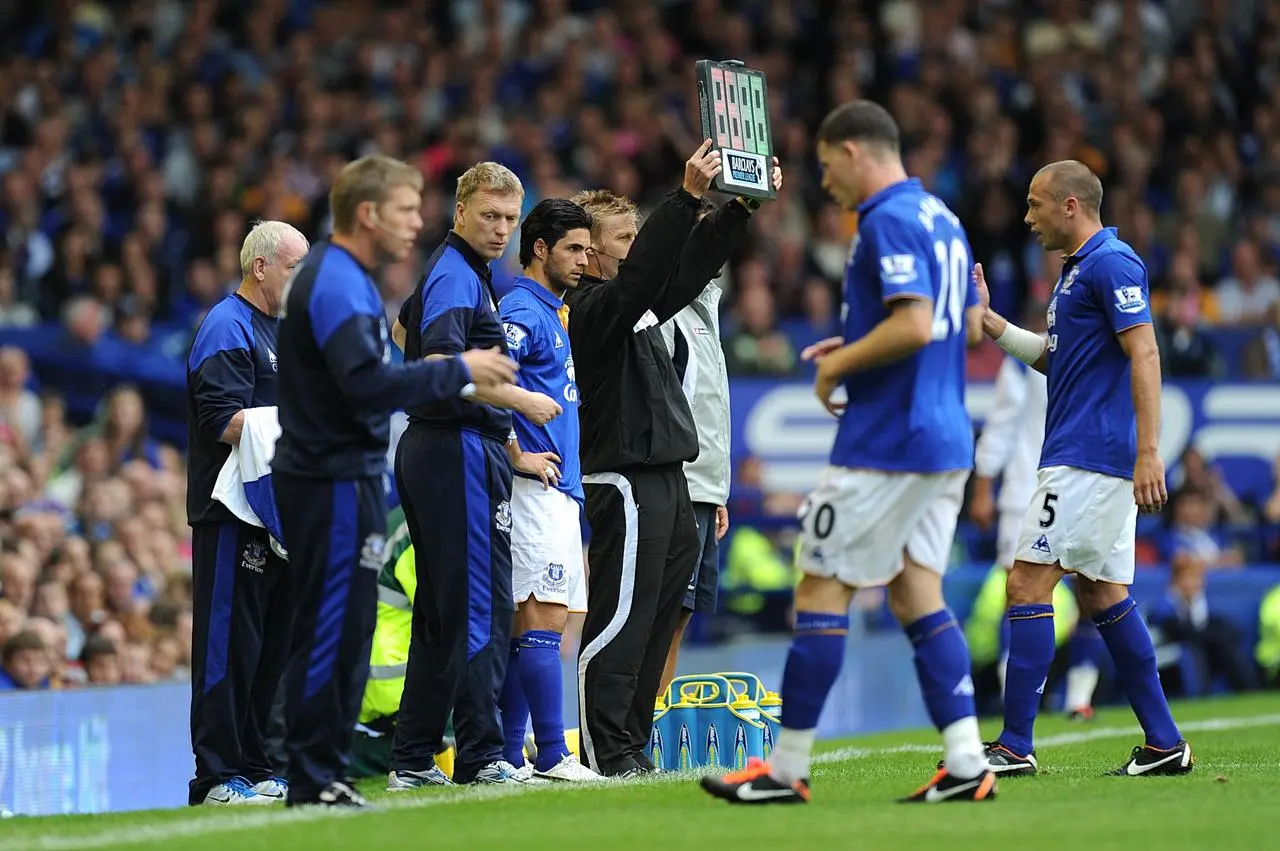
626, 592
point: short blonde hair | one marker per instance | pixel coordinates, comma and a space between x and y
367, 179
601, 203
264, 240
488, 177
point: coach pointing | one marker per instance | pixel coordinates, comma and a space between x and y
637, 432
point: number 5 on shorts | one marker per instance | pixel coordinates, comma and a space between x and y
1049, 514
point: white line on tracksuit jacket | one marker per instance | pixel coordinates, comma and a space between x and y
706, 386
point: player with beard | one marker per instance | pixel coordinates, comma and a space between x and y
547, 573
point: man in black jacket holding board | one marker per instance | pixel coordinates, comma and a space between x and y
637, 433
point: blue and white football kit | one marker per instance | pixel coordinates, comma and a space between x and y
904, 446
895, 483
546, 527
1083, 513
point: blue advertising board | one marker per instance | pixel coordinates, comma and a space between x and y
95, 750
1237, 426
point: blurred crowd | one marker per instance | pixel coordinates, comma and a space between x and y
95, 577
139, 138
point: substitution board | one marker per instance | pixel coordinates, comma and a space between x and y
734, 102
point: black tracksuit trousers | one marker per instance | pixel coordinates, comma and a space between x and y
644, 546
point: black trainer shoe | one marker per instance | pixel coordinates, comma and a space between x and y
642, 760
1081, 713
336, 794
1153, 761
1005, 762
753, 785
944, 787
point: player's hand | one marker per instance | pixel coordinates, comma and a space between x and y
540, 464
1148, 483
490, 367
982, 507
777, 176
822, 347
825, 385
540, 409
722, 522
984, 294
701, 169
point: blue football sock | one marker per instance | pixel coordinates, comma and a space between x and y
813, 663
942, 664
1129, 642
1031, 646
540, 675
514, 709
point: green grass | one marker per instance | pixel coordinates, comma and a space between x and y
1231, 800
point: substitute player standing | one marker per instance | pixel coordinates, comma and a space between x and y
547, 574
885, 512
1099, 466
337, 390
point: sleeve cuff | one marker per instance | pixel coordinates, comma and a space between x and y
468, 387
682, 195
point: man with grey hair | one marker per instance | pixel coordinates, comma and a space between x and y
242, 617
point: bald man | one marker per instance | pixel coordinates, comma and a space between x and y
1099, 466
242, 617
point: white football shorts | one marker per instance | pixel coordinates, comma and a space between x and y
546, 546
856, 524
1084, 521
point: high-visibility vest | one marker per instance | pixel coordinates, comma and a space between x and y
397, 582
1267, 651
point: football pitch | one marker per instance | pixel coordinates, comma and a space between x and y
1230, 801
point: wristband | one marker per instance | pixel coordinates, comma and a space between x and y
1026, 346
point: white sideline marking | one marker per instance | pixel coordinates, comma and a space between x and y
1210, 724
229, 820
222, 821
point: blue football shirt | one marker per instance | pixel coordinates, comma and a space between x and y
908, 416
538, 341
1090, 421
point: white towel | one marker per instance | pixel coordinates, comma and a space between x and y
244, 482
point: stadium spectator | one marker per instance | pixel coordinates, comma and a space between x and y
1191, 543
1197, 476
101, 662
1194, 644
1245, 296
19, 407
24, 663
1260, 359
1185, 350
756, 346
